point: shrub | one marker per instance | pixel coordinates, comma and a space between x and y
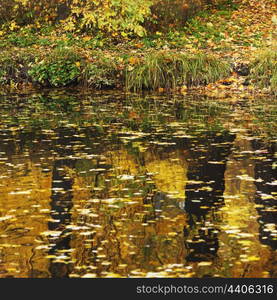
60, 68
118, 17
123, 17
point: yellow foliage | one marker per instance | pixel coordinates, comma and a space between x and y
109, 16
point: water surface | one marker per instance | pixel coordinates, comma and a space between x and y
113, 185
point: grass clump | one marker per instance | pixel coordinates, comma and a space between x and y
59, 68
264, 70
168, 69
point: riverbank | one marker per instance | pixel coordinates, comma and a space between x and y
218, 52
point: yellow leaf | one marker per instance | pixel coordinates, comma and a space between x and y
161, 90
253, 258
13, 26
133, 60
86, 38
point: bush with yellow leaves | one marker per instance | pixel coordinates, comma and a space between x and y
116, 17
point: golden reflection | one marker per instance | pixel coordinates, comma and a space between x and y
133, 238
169, 172
126, 217
24, 209
241, 249
122, 162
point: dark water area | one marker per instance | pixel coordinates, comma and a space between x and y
115, 185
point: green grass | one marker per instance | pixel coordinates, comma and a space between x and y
168, 69
264, 70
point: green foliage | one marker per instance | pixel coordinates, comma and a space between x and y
209, 28
121, 16
14, 66
116, 17
167, 69
22, 40
103, 73
264, 70
227, 5
113, 17
59, 68
203, 31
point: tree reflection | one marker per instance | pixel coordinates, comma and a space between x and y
265, 176
204, 194
61, 205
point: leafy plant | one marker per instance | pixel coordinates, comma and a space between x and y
60, 68
119, 17
22, 40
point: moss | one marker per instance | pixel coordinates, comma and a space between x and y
166, 69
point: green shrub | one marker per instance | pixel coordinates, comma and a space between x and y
60, 68
118, 17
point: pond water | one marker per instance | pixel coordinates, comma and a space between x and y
115, 185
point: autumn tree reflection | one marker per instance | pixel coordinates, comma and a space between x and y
265, 175
204, 193
61, 204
